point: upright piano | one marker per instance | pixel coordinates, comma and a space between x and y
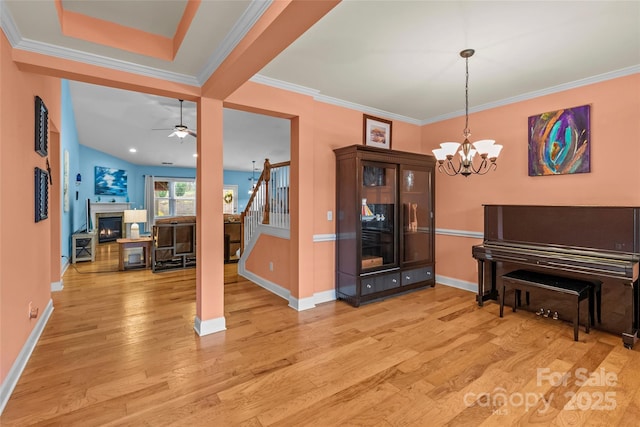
584, 242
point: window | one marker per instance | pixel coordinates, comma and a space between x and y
174, 196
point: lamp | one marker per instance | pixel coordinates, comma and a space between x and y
180, 131
133, 217
253, 178
487, 149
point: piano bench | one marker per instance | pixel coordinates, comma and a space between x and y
524, 280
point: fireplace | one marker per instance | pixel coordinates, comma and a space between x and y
110, 226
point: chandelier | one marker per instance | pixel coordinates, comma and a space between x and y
486, 150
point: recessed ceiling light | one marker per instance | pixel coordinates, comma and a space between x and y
132, 150
195, 155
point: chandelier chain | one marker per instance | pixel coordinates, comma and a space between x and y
467, 132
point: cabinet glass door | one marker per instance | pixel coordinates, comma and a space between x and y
378, 216
417, 211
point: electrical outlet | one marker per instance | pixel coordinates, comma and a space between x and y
33, 312
270, 265
329, 215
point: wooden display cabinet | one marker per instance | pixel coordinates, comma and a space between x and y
385, 235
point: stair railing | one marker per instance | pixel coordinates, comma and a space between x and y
269, 202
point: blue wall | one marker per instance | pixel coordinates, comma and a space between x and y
243, 181
73, 219
91, 158
83, 160
135, 176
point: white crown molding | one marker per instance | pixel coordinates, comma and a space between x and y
239, 30
538, 93
17, 42
233, 37
279, 84
374, 111
369, 110
8, 24
291, 87
103, 61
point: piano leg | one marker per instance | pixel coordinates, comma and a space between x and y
480, 296
630, 339
493, 293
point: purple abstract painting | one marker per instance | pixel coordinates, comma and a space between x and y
559, 142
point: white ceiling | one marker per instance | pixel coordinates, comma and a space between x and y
395, 59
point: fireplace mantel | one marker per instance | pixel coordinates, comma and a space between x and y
106, 207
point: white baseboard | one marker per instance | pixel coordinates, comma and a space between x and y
18, 366
57, 286
268, 285
295, 303
302, 304
211, 326
326, 296
457, 283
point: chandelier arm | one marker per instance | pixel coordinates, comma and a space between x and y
487, 167
483, 165
448, 168
456, 170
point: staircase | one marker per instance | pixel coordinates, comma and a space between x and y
269, 202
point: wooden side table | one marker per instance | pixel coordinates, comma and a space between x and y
144, 243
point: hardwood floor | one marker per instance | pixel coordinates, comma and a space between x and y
120, 349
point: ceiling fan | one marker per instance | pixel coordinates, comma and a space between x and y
181, 130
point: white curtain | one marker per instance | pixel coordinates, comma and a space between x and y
149, 203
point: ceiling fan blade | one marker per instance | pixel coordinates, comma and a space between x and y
192, 133
172, 134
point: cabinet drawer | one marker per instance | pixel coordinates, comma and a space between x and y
371, 284
389, 281
368, 285
417, 275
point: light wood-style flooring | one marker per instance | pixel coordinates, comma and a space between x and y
120, 349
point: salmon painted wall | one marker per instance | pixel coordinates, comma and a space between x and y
345, 128
25, 245
275, 250
615, 131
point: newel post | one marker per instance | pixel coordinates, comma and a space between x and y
267, 178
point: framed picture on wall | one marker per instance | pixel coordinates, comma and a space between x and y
41, 127
111, 182
376, 132
41, 194
560, 142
